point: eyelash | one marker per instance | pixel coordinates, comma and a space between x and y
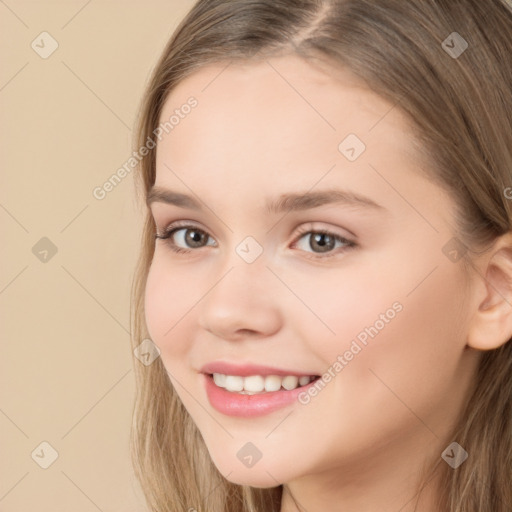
173, 228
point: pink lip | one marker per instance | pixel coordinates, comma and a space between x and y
248, 369
246, 406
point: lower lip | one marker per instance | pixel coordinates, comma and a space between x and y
235, 404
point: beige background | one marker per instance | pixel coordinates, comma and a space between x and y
66, 374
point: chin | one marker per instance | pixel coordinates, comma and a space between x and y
259, 479
262, 474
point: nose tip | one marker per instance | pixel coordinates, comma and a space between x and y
239, 305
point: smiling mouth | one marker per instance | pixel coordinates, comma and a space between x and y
259, 384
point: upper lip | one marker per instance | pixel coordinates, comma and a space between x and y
245, 370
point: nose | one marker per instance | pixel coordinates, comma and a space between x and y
242, 303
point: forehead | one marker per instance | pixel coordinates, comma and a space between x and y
281, 120
269, 95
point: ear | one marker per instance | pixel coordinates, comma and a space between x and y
491, 325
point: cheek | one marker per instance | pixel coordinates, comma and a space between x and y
415, 360
169, 296
403, 378
410, 336
335, 307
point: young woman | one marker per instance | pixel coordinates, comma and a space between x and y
326, 264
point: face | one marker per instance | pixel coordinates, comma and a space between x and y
312, 244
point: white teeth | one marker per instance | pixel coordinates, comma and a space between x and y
258, 384
290, 382
255, 383
272, 383
219, 379
304, 380
234, 383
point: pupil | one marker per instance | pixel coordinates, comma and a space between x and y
323, 242
194, 238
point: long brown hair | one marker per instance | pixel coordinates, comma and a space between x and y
461, 109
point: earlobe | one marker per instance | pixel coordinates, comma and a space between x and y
491, 325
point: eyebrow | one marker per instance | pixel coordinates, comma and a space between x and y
283, 203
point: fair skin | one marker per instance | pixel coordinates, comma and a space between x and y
360, 444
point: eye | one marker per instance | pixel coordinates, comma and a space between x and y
185, 238
322, 242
